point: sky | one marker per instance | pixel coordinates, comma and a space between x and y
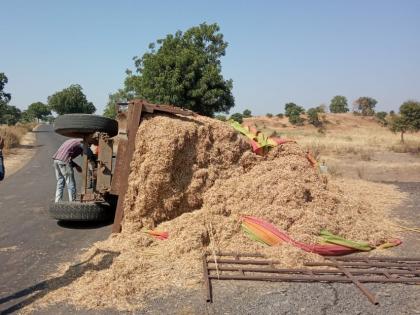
304, 52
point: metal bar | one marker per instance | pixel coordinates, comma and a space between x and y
85, 166
360, 264
135, 109
371, 297
104, 169
237, 254
309, 278
207, 281
120, 165
311, 271
414, 271
243, 262
345, 272
362, 258
150, 108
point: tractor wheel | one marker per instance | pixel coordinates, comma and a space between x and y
81, 211
79, 125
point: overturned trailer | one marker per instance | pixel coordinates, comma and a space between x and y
104, 183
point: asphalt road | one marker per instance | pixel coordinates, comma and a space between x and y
32, 244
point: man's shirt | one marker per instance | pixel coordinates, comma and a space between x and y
71, 149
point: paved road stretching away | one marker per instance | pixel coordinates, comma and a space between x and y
32, 244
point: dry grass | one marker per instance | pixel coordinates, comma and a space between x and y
12, 135
409, 146
345, 134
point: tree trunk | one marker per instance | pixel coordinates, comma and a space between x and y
402, 136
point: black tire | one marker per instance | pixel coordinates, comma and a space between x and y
81, 211
79, 125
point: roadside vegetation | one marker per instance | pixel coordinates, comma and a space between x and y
13, 135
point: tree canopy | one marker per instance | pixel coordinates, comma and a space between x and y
38, 110
8, 114
237, 117
366, 105
184, 69
407, 120
293, 111
339, 104
247, 113
4, 97
70, 100
381, 117
120, 96
313, 117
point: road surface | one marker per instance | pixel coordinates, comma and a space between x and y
32, 244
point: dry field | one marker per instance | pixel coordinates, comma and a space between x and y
13, 135
353, 146
18, 146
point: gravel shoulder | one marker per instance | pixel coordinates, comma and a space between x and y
17, 158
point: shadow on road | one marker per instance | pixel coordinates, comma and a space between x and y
83, 225
39, 290
29, 146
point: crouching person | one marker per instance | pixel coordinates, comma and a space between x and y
64, 164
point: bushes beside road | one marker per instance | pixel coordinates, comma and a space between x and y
12, 135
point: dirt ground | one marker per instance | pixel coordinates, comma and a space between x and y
16, 158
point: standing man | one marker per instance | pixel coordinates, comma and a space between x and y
2, 170
64, 164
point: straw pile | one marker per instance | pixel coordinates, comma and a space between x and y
195, 178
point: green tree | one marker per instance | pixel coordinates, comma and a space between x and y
296, 120
184, 69
321, 108
27, 116
407, 120
381, 118
70, 100
110, 110
237, 117
246, 113
10, 115
269, 115
280, 115
4, 99
220, 117
294, 111
339, 104
313, 117
39, 110
366, 105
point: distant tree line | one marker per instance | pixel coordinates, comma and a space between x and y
407, 120
68, 100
